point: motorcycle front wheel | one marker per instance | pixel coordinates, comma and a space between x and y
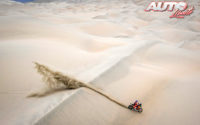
140, 110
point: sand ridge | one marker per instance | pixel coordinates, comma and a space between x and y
116, 46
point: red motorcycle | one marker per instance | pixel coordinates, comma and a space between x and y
138, 108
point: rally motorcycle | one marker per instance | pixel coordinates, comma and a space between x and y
135, 109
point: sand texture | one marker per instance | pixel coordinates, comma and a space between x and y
97, 52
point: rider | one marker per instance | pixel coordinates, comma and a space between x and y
137, 105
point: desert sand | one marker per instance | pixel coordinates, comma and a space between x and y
113, 45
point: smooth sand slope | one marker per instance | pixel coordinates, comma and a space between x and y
115, 46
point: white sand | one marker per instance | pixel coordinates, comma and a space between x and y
116, 46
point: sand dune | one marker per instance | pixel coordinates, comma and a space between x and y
113, 45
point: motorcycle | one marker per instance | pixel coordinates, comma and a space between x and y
135, 109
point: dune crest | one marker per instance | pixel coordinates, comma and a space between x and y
55, 80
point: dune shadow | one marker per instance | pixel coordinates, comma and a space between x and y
48, 92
